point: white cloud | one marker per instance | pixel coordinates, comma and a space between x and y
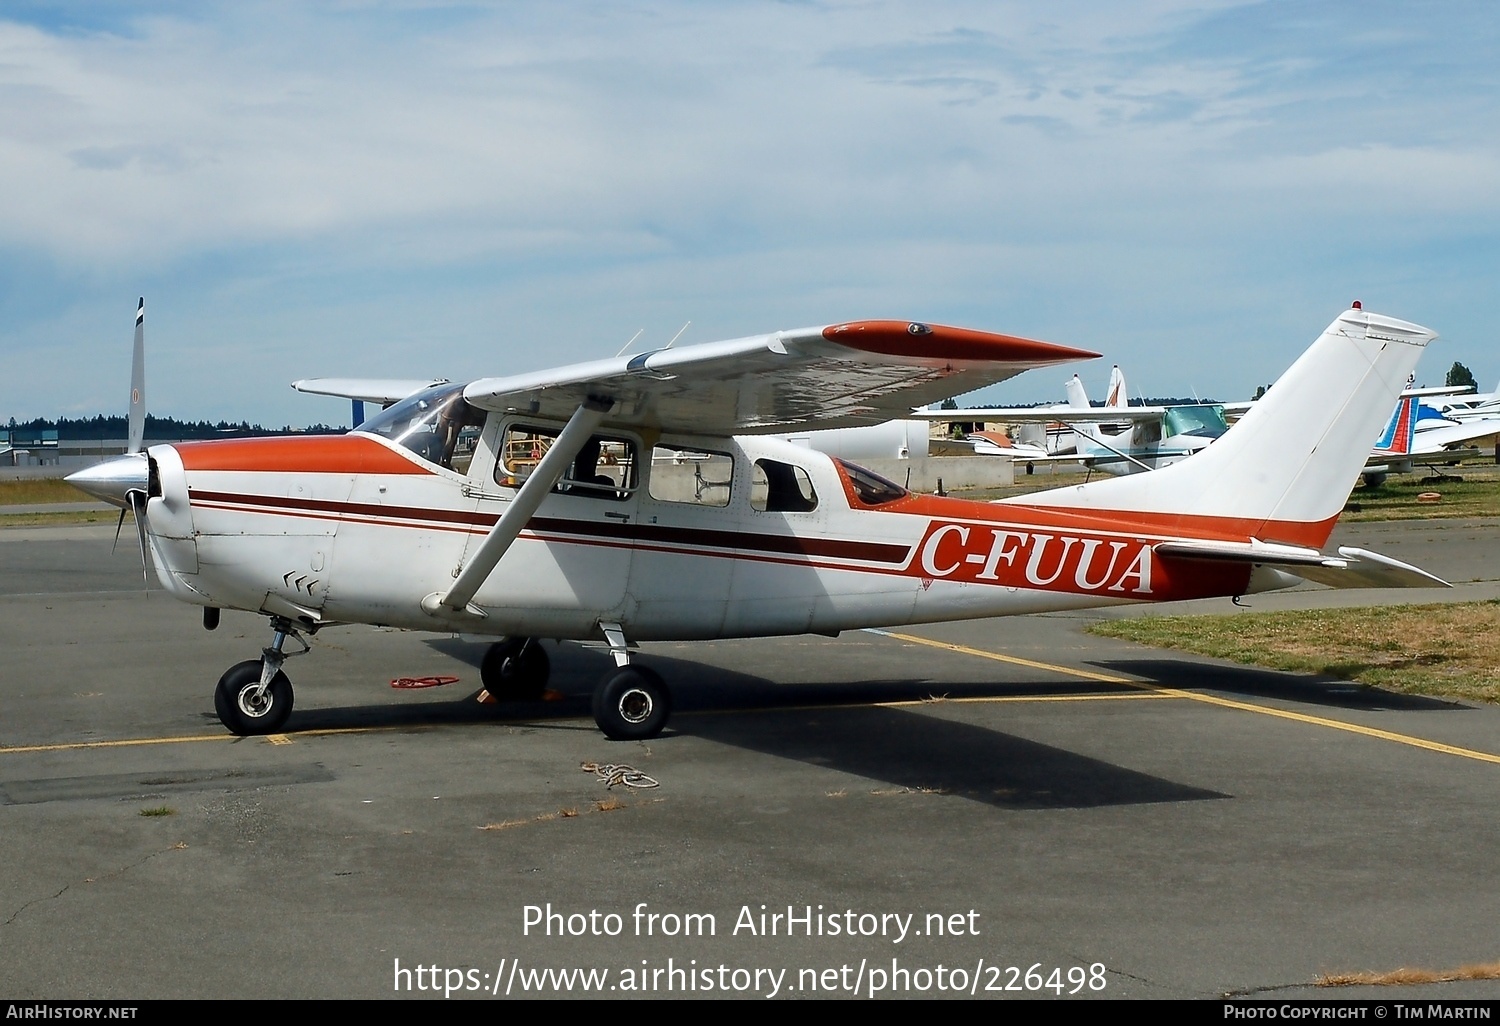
343, 179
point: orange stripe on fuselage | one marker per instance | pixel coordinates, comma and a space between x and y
311, 454
1312, 534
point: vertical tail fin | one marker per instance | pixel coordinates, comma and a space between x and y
1400, 430
1284, 472
1078, 399
1116, 396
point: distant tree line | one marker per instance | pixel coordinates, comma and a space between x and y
102, 427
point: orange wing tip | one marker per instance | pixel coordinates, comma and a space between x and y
938, 341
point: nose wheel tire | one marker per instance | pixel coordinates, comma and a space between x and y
632, 704
515, 670
241, 710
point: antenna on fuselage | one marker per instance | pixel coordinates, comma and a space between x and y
678, 335
136, 433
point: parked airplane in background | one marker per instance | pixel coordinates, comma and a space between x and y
640, 498
1461, 400
1417, 436
1116, 438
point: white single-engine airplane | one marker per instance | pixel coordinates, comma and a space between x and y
638, 498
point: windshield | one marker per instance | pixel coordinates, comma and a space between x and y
870, 487
435, 423
1200, 421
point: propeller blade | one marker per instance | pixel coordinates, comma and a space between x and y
118, 524
137, 423
137, 500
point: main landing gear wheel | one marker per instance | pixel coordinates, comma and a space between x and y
242, 710
632, 704
515, 670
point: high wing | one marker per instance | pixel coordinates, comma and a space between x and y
843, 375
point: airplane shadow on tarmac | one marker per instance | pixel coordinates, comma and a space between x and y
831, 725
842, 726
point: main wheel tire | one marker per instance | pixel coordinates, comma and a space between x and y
514, 671
632, 704
240, 711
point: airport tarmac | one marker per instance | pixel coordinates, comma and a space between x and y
999, 808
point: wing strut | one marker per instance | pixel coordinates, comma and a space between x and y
541, 481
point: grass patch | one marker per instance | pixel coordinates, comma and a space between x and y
102, 516
159, 810
1477, 495
1445, 651
33, 491
1409, 977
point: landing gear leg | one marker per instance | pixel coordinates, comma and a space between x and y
255, 697
515, 670
631, 703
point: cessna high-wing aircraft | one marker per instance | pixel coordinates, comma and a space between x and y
639, 498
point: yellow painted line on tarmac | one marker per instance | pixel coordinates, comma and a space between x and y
1193, 696
987, 699
130, 743
136, 742
270, 739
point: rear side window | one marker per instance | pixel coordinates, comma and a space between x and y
692, 476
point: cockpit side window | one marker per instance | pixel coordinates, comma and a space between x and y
605, 468
436, 424
777, 487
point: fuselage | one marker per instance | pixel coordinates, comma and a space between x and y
674, 538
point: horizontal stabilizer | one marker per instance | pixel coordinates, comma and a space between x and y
1351, 568
366, 390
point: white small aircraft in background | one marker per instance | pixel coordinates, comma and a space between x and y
1413, 439
1116, 438
641, 498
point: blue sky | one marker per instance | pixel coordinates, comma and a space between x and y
409, 189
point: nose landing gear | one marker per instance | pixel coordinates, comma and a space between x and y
515, 670
255, 697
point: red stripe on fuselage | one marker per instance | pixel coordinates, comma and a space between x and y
1005, 553
376, 513
1161, 526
